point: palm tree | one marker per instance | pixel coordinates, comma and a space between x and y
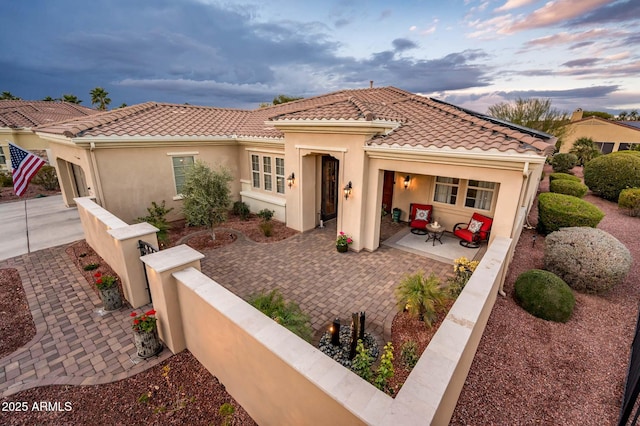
100, 97
422, 297
585, 149
48, 99
622, 116
72, 99
633, 115
9, 97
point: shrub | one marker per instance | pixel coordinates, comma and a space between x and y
568, 187
266, 228
565, 176
421, 297
362, 362
463, 269
544, 295
266, 214
589, 260
157, 216
385, 370
585, 150
609, 174
90, 266
409, 354
241, 209
6, 180
563, 163
47, 178
557, 211
630, 199
288, 315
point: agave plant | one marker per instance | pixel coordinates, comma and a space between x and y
421, 297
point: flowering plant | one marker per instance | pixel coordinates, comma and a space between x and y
463, 268
104, 281
343, 239
144, 322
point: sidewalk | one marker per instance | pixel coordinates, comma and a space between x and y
50, 224
73, 344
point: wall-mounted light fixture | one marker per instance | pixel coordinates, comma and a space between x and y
347, 190
407, 180
291, 180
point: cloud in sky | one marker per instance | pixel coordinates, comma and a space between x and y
213, 53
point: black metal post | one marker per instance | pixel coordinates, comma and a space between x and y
361, 331
335, 332
354, 335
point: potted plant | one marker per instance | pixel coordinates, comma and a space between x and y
109, 293
145, 334
342, 242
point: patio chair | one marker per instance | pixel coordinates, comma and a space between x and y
476, 231
420, 216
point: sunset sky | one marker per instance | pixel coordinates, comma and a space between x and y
580, 53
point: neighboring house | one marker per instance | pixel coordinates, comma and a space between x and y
370, 140
609, 135
18, 117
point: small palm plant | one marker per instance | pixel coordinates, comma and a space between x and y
421, 297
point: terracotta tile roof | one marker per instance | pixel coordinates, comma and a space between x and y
27, 114
153, 119
422, 122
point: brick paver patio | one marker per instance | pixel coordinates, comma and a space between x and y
77, 346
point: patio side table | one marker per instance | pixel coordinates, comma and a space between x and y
434, 234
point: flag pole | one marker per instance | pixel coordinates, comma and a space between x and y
26, 222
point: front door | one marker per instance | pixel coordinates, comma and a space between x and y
329, 202
79, 180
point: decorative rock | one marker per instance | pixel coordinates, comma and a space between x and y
589, 260
341, 353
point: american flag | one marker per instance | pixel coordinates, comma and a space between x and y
25, 165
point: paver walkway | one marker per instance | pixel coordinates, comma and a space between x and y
326, 284
73, 344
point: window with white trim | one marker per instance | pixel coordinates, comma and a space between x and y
3, 159
266, 173
479, 194
255, 170
446, 190
180, 166
280, 175
263, 174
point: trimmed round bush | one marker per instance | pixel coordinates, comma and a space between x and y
564, 162
589, 260
557, 211
544, 295
609, 174
568, 187
630, 200
564, 176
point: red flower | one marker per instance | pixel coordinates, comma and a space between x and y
97, 274
133, 314
99, 281
151, 312
136, 322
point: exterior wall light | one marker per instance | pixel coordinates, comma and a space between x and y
407, 180
347, 190
291, 180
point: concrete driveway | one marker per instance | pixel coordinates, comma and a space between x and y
50, 224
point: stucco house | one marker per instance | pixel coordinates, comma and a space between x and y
608, 135
299, 158
18, 118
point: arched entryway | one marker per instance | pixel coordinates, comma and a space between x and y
329, 188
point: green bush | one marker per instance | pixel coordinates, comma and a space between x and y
587, 259
241, 209
563, 163
5, 179
544, 295
409, 354
563, 176
47, 178
609, 174
630, 200
421, 297
266, 228
266, 214
157, 216
568, 187
557, 211
287, 314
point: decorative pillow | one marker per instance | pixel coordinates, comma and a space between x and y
474, 226
422, 215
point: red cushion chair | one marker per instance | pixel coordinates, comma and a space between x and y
420, 216
476, 231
